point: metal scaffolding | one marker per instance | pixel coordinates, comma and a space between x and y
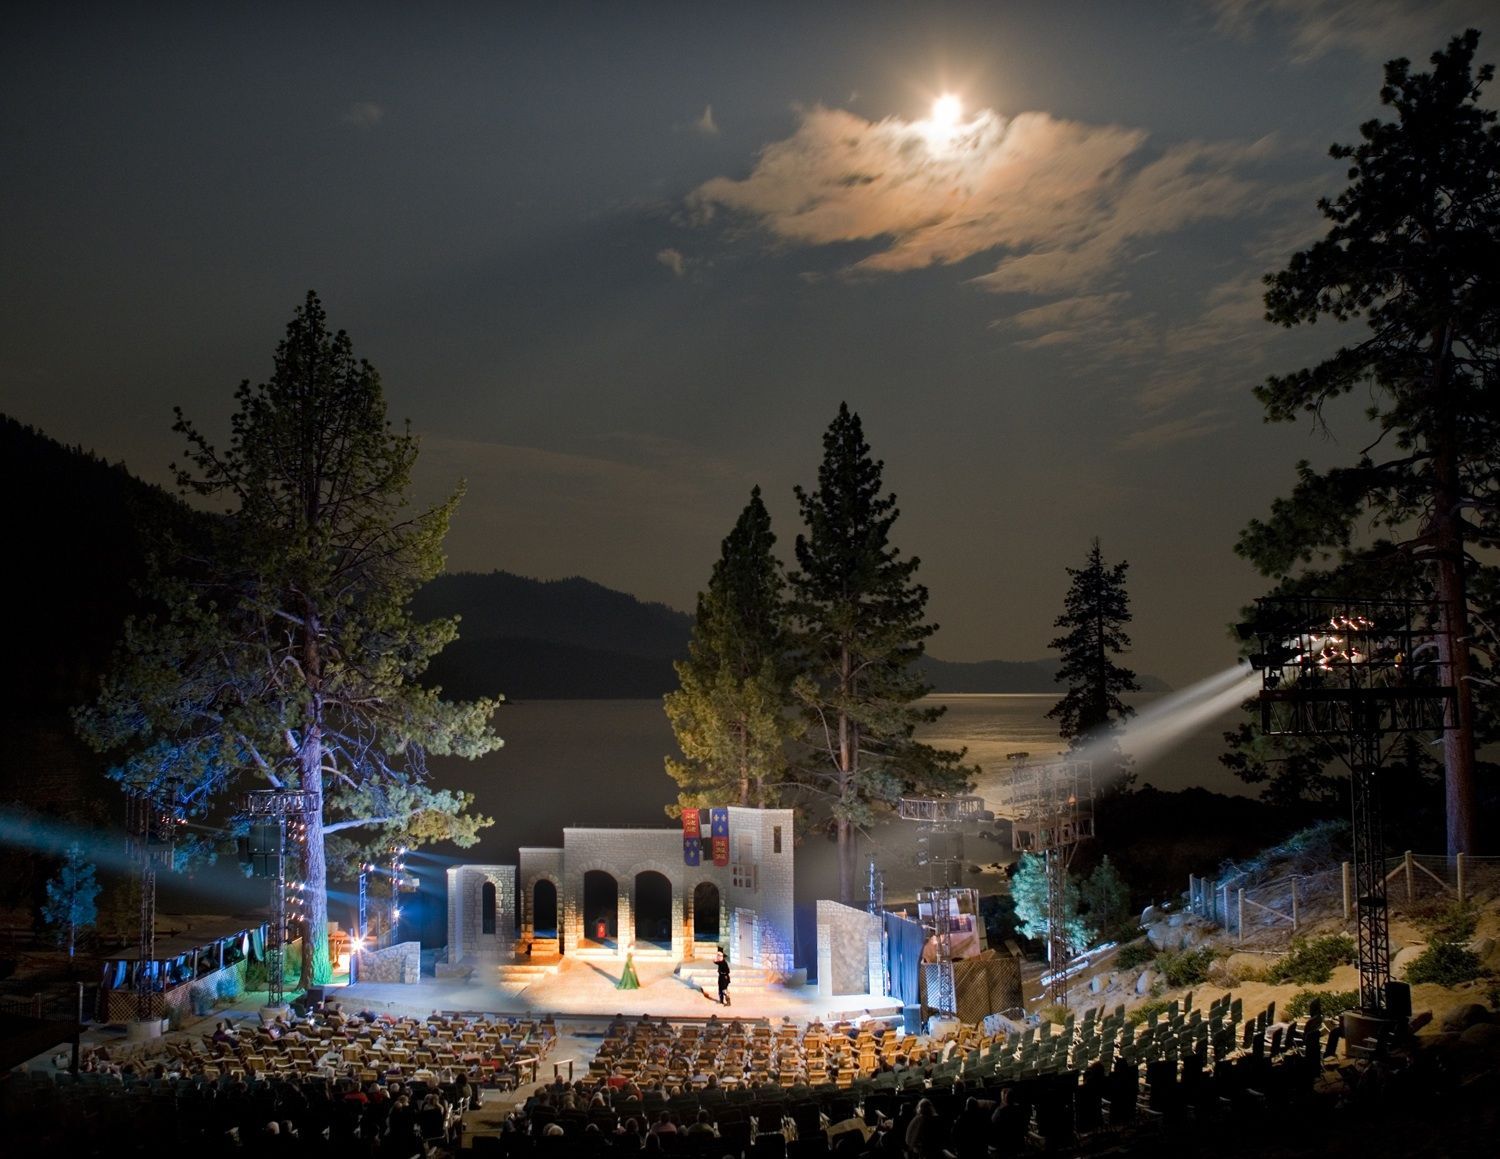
1051, 807
941, 817
152, 823
1360, 672
278, 806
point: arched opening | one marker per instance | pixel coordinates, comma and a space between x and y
487, 909
601, 908
706, 913
653, 909
544, 909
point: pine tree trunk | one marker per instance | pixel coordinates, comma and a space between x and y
1453, 614
847, 757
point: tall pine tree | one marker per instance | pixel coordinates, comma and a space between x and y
1412, 258
285, 653
858, 615
1095, 612
70, 906
730, 714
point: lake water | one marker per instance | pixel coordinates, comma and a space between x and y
600, 762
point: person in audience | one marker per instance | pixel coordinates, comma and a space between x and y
1008, 1125
925, 1134
664, 1124
703, 1125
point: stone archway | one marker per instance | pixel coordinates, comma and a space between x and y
653, 910
708, 920
601, 909
544, 910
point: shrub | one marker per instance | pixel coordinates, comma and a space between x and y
1455, 922
1187, 967
1312, 961
1446, 963
228, 985
1134, 954
1147, 1011
1056, 1014
1231, 974
1334, 1002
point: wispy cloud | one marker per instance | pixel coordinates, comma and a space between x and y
1061, 200
1376, 29
364, 115
1173, 431
706, 124
673, 260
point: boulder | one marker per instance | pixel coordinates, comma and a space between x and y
1482, 948
1097, 984
1151, 915
1404, 957
1483, 1036
1145, 982
1460, 1018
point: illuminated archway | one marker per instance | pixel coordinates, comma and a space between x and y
601, 908
653, 909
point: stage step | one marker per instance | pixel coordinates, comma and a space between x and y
706, 975
516, 976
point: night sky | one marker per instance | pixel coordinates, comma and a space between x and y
619, 262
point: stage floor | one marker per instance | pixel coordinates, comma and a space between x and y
582, 987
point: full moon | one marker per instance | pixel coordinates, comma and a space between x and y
947, 109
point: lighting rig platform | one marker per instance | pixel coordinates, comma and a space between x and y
1361, 673
943, 818
1051, 807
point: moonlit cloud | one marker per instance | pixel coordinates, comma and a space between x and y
364, 115
1172, 431
1376, 29
1062, 201
673, 260
705, 124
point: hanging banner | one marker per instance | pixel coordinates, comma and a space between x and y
692, 851
691, 823
718, 827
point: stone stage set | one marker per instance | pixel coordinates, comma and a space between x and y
552, 933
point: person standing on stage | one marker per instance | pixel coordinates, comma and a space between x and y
723, 964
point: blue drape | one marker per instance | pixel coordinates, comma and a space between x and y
903, 956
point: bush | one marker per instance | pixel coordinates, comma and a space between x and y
1147, 1011
1446, 963
1455, 922
1334, 1002
1312, 962
1134, 954
1057, 1014
228, 985
1186, 968
1231, 974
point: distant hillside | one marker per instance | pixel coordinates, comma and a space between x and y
545, 639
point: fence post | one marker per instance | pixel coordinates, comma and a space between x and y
1294, 905
1462, 861
1348, 888
1406, 864
1193, 894
1240, 917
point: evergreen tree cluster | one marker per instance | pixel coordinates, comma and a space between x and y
802, 689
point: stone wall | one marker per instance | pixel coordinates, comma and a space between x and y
848, 943
467, 941
399, 963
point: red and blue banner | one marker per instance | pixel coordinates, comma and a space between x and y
692, 842
718, 828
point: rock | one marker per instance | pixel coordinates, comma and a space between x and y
1161, 937
1440, 1043
1483, 1036
1145, 982
1175, 920
1482, 948
1151, 915
1404, 957
1097, 984
1460, 1018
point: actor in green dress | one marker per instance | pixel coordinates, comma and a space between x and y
628, 980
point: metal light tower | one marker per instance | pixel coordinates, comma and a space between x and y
153, 836
1362, 671
1051, 805
942, 816
277, 806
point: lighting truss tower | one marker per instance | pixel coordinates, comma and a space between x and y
1051, 806
278, 806
876, 889
152, 824
942, 816
1363, 672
